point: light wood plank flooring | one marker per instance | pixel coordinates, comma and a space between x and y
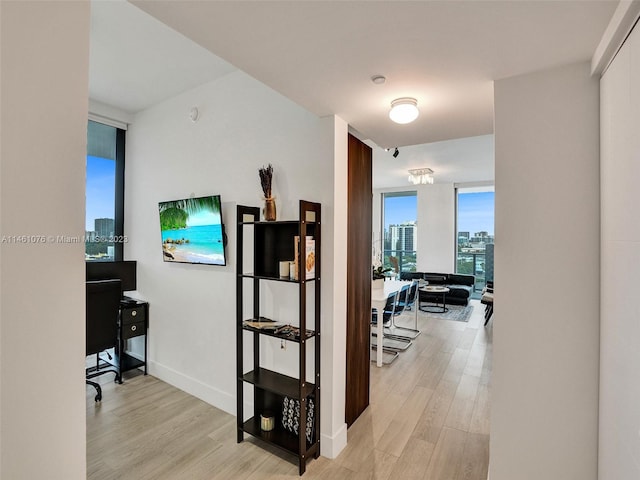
428, 420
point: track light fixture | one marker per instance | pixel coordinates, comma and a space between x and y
396, 152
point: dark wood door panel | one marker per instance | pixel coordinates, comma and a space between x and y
358, 279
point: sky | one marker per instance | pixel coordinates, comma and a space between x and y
101, 184
400, 210
203, 217
475, 211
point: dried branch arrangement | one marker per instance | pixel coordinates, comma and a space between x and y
266, 175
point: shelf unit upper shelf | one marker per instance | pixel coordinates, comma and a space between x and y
276, 279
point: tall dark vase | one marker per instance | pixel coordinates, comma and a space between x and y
269, 210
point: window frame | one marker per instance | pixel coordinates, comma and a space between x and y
411, 192
119, 195
480, 187
118, 221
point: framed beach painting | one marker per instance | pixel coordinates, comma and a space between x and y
192, 231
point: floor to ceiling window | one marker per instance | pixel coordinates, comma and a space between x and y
104, 237
475, 233
400, 231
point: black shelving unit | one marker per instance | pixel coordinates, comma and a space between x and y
274, 242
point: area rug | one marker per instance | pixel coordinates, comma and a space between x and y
457, 313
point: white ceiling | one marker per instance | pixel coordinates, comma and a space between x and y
321, 54
464, 160
137, 61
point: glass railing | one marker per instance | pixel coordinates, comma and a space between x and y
405, 260
472, 264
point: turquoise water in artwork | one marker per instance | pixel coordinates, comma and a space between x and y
201, 244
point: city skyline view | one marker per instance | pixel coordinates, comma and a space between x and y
474, 222
475, 211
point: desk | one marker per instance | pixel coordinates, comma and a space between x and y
378, 299
133, 321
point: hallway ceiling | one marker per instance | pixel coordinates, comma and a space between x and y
322, 54
446, 54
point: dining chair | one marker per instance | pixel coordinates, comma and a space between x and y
406, 298
390, 344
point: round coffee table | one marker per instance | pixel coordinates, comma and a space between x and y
436, 290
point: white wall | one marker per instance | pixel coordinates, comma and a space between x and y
436, 225
243, 125
45, 64
436, 228
619, 455
334, 333
544, 413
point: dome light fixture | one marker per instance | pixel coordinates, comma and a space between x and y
404, 110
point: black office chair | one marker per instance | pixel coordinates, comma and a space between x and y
102, 310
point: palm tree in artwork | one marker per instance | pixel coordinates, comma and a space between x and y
174, 214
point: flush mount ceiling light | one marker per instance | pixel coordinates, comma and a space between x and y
404, 110
421, 176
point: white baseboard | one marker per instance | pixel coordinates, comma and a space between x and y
331, 447
204, 392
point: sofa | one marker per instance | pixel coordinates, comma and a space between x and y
460, 286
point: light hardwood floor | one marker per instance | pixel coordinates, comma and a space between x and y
428, 420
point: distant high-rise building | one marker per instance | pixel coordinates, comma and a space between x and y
482, 234
104, 227
403, 236
481, 238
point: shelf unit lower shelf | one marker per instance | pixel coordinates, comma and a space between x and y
278, 437
129, 362
277, 383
